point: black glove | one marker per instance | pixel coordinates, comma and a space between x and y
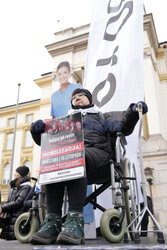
38, 127
144, 107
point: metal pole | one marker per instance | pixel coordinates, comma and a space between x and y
14, 136
143, 179
151, 196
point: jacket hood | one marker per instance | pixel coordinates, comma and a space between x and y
25, 181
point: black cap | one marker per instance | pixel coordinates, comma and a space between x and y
22, 170
85, 91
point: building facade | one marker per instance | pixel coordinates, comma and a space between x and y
71, 45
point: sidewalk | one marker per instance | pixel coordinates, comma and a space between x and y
99, 243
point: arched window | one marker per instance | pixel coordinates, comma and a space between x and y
6, 174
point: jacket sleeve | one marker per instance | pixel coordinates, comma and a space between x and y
27, 205
17, 203
124, 122
129, 121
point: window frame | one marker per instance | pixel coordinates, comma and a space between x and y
6, 183
26, 118
9, 133
10, 118
24, 142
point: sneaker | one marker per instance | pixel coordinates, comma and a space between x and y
73, 232
49, 231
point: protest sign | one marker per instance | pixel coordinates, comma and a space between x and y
62, 150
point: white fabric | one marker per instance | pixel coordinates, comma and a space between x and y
116, 34
25, 183
93, 109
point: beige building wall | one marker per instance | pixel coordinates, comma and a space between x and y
155, 147
23, 153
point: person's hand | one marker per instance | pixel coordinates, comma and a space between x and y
0, 210
38, 127
144, 107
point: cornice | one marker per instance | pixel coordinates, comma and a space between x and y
4, 187
22, 108
163, 77
79, 42
45, 102
151, 31
44, 81
6, 154
74, 43
11, 130
72, 30
26, 150
155, 146
161, 53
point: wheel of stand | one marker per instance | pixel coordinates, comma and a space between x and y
23, 234
131, 196
109, 227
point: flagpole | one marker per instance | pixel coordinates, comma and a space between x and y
14, 136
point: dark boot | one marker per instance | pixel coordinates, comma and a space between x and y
73, 233
48, 232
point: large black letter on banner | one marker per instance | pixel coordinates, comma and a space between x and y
114, 9
110, 37
100, 86
105, 61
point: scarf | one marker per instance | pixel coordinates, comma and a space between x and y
91, 108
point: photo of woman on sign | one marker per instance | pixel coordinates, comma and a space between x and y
60, 100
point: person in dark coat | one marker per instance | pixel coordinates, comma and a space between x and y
13, 207
98, 152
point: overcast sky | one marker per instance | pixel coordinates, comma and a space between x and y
26, 26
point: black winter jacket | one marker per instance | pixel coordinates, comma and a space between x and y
28, 201
99, 139
14, 207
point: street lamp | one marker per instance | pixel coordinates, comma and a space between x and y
149, 177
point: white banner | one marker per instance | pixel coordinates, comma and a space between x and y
114, 68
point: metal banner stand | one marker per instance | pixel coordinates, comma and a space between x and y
138, 220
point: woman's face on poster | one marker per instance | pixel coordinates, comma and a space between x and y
63, 75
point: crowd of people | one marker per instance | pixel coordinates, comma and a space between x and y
98, 152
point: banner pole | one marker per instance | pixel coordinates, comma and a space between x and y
14, 136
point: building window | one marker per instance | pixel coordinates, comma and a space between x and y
9, 141
6, 174
29, 118
166, 53
11, 122
28, 139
